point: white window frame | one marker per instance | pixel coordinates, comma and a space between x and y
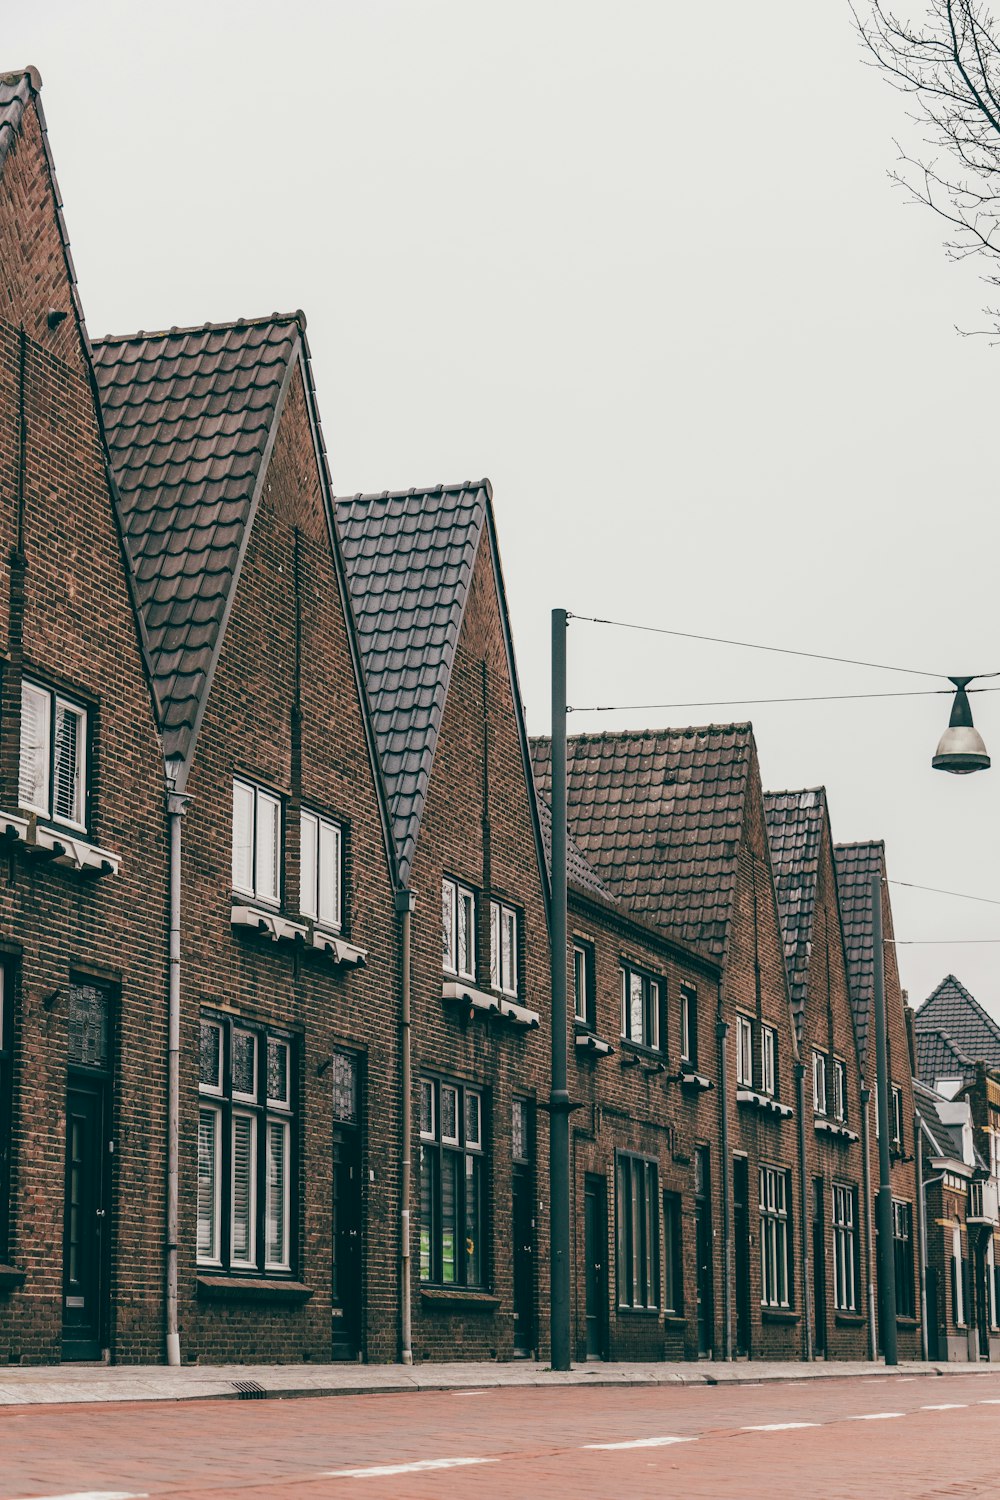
211, 1257
504, 924
249, 1262
689, 1008
958, 1273
775, 1238
896, 1114
839, 1089
44, 804
316, 900
744, 1051
256, 886
650, 1002
455, 896
273, 1122
583, 960
769, 1060
845, 1286
819, 1082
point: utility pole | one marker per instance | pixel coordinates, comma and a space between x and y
886, 1263
559, 1105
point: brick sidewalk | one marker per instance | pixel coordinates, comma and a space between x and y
67, 1384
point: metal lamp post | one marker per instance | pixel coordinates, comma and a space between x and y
559, 1104
886, 1260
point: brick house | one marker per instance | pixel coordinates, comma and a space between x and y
856, 866
672, 822
285, 969
806, 882
428, 597
952, 1033
83, 1018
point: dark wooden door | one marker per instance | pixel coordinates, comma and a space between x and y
819, 1265
345, 1286
85, 1224
982, 1300
523, 1228
595, 1235
933, 1315
703, 1251
741, 1246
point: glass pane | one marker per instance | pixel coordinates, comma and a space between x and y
329, 874
428, 1162
449, 1214
276, 1204
519, 1130
33, 779
308, 904
473, 1120
208, 1208
426, 1107
70, 752
473, 1220
277, 1071
268, 839
88, 1025
242, 837
448, 955
244, 1173
579, 984
635, 1008
210, 1071
345, 1087
496, 966
509, 949
449, 1113
245, 1064
466, 934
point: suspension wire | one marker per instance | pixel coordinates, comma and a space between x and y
619, 708
937, 942
937, 891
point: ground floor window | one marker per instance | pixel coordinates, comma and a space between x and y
673, 1250
245, 1147
6, 1106
452, 1184
775, 1238
845, 1249
957, 1277
638, 1232
902, 1249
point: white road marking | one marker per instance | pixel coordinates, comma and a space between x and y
482, 1390
988, 1401
418, 1466
875, 1416
778, 1426
947, 1406
100, 1495
654, 1442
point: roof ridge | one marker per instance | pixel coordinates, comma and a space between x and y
639, 734
862, 844
797, 792
29, 71
415, 492
266, 320
947, 1037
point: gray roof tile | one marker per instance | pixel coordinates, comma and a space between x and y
953, 1010
795, 831
659, 815
409, 558
938, 1057
856, 864
579, 871
188, 416
16, 90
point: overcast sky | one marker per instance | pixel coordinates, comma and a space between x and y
640, 264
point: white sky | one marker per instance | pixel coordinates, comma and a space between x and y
641, 265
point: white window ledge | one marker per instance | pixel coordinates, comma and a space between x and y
834, 1127
696, 1082
491, 1004
338, 949
519, 1015
269, 924
586, 1041
70, 851
13, 829
763, 1102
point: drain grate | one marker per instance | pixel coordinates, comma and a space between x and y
249, 1390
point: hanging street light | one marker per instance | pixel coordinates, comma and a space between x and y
961, 749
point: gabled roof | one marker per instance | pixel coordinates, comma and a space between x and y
856, 864
579, 871
409, 558
190, 416
952, 1009
945, 1137
938, 1057
795, 833
659, 815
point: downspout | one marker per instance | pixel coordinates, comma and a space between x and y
918, 1126
866, 1171
800, 1105
404, 907
721, 1032
176, 806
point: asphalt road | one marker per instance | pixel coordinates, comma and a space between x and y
878, 1438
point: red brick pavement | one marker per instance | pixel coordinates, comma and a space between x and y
533, 1438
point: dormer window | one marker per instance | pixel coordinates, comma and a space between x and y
256, 842
321, 853
52, 778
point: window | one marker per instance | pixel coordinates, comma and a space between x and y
839, 1090
321, 869
775, 1239
768, 1060
845, 1250
902, 1248
744, 1052
673, 1283
520, 1131
452, 1184
957, 1277
689, 1025
52, 776
6, 1101
819, 1083
896, 1120
503, 948
584, 986
638, 1232
641, 999
458, 919
256, 842
244, 1148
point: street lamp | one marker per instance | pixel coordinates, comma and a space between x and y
961, 749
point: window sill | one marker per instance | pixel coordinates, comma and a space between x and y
457, 1299
674, 1320
589, 1044
825, 1126
638, 1312
693, 1082
849, 1319
250, 1289
269, 924
766, 1103
905, 1321
338, 949
460, 994
779, 1315
10, 1279
70, 850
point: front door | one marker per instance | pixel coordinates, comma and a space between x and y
595, 1235
741, 1237
703, 1251
523, 1228
346, 1274
819, 1265
85, 1223
982, 1300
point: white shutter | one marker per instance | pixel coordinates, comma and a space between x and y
208, 1185
33, 788
70, 753
308, 904
268, 838
243, 800
276, 1205
329, 873
244, 1174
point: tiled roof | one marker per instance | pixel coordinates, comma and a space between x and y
659, 816
409, 558
579, 871
952, 1009
189, 416
856, 864
795, 830
945, 1137
15, 91
938, 1057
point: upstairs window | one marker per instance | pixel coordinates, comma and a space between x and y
839, 1090
744, 1052
321, 866
52, 778
458, 919
503, 948
641, 1001
768, 1060
819, 1083
896, 1116
689, 1025
256, 842
584, 986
